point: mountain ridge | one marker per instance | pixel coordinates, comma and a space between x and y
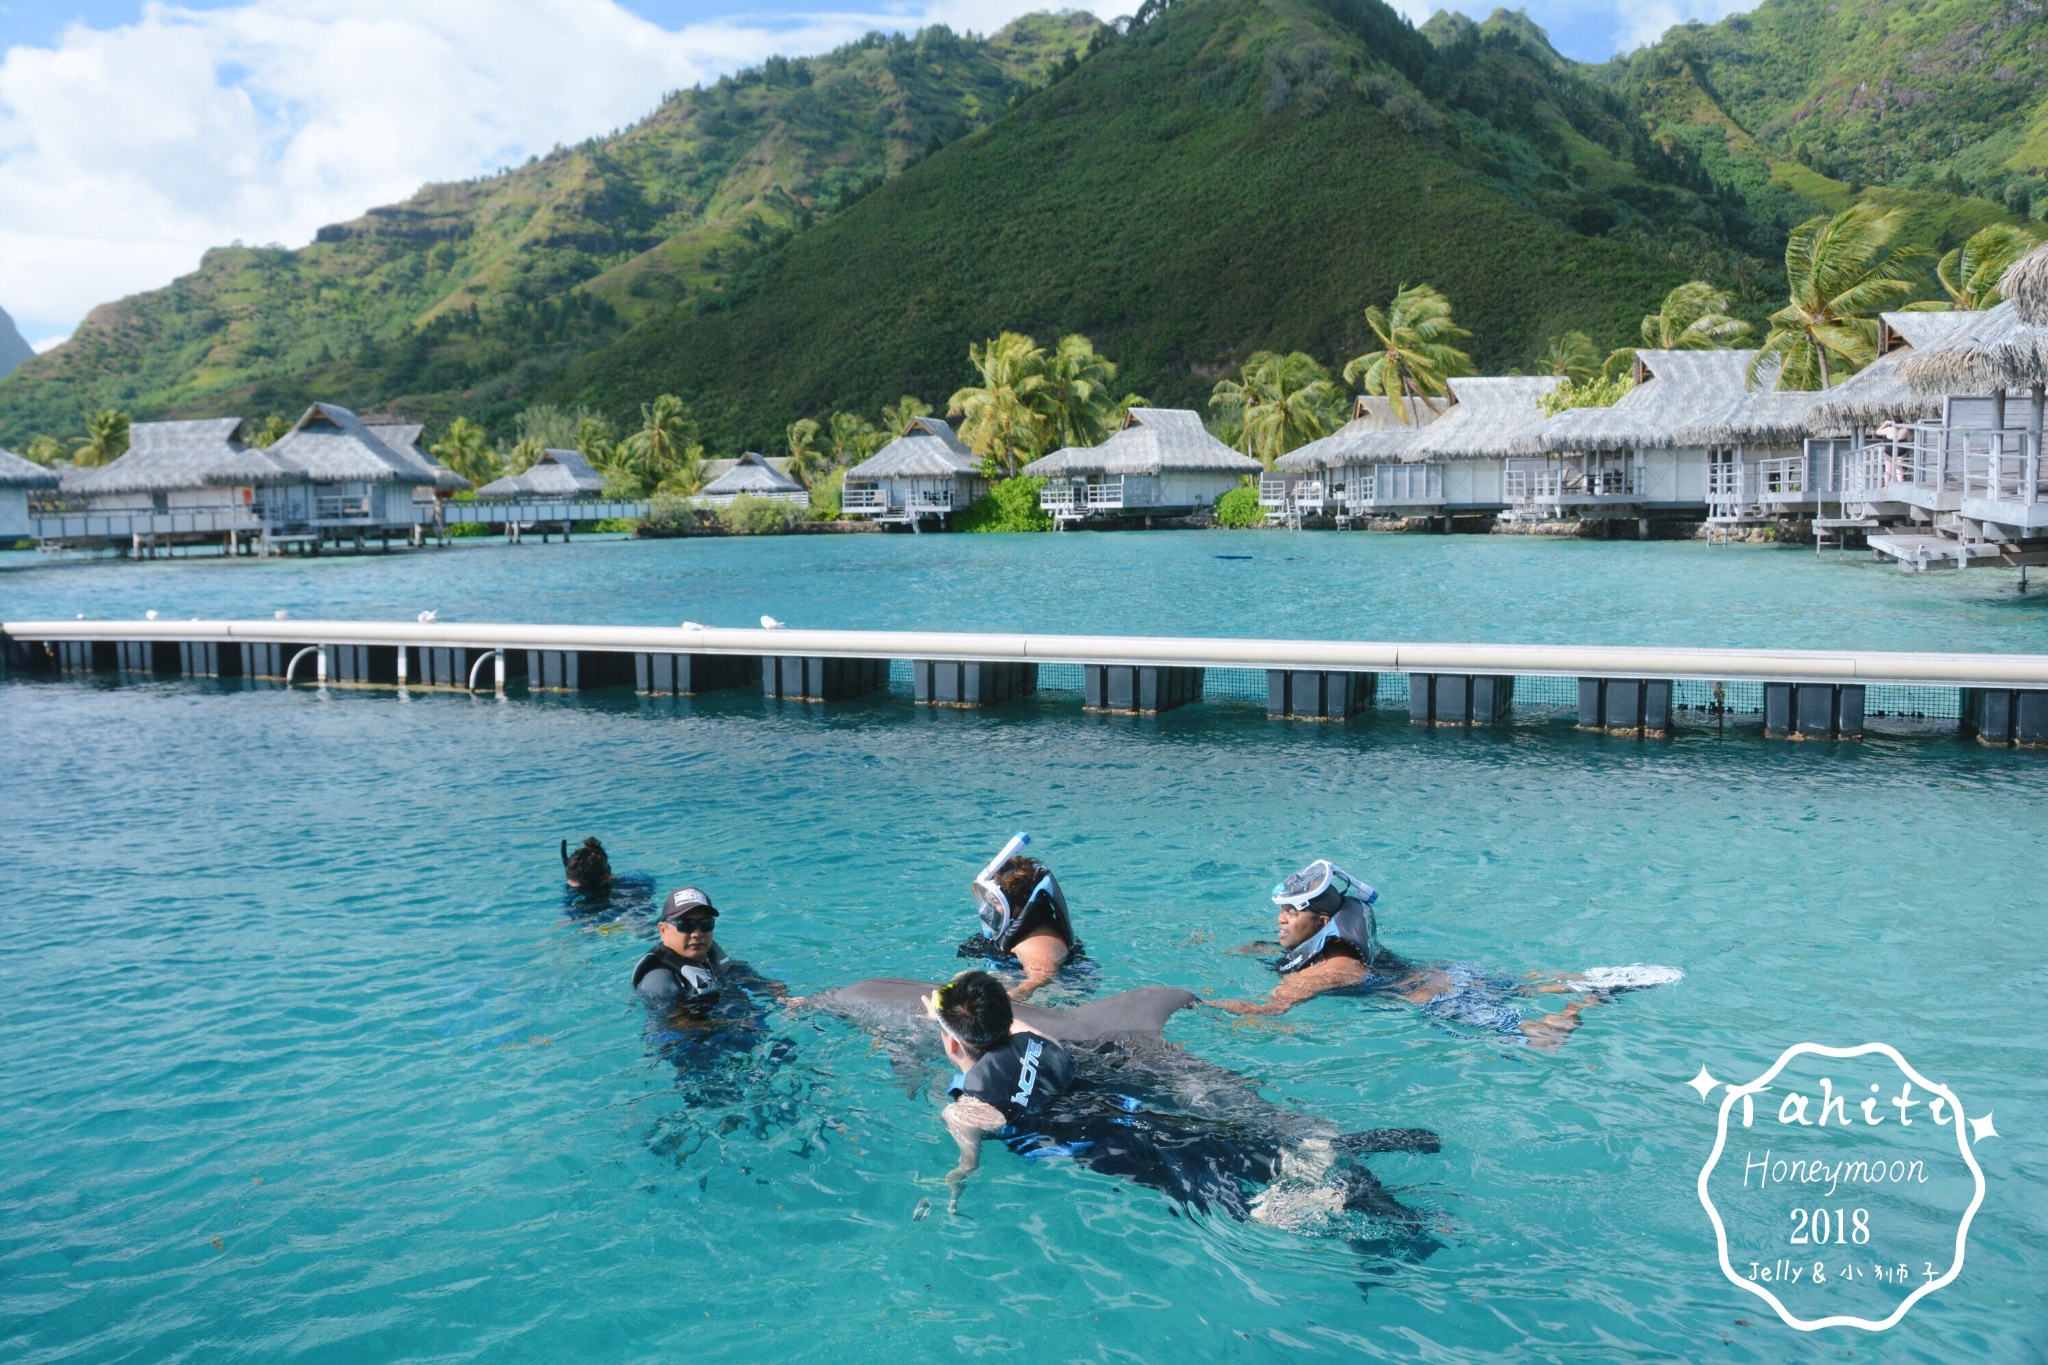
484, 295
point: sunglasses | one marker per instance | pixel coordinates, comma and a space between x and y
692, 925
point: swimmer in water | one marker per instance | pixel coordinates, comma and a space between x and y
595, 892
1023, 918
1329, 942
1008, 1072
688, 976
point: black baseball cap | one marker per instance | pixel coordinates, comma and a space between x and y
687, 900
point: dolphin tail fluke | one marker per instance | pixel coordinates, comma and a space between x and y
1389, 1140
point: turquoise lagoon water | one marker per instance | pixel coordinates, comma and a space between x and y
302, 1060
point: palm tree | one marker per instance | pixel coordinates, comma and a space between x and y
1842, 270
1418, 352
594, 439
1281, 402
265, 436
851, 438
1004, 422
1571, 356
663, 454
1693, 317
464, 449
1970, 273
524, 455
106, 437
898, 415
806, 461
47, 451
1075, 400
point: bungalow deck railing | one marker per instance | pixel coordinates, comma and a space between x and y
330, 507
1057, 496
863, 500
538, 510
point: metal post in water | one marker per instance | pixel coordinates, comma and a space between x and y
401, 665
320, 666
498, 670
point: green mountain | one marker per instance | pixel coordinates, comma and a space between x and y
1938, 106
1227, 176
462, 293
1210, 178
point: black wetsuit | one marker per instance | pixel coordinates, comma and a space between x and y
712, 1005
1019, 1078
628, 897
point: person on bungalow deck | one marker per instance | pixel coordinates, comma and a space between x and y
1329, 941
687, 972
1008, 1072
1023, 918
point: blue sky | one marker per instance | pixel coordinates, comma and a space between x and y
135, 135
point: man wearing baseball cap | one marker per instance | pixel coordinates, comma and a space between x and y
686, 970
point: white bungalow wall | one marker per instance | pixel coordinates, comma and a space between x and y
1676, 477
1474, 483
1192, 488
398, 505
14, 512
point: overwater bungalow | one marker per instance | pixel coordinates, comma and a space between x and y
752, 476
1757, 462
1859, 444
19, 478
1163, 463
557, 474
1460, 464
926, 474
1360, 469
1983, 452
403, 438
1634, 459
177, 483
351, 482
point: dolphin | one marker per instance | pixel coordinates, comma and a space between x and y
1148, 1111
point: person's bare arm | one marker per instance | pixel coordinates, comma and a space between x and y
1040, 956
969, 1120
1328, 975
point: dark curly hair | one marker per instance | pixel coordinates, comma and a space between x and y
588, 869
1017, 878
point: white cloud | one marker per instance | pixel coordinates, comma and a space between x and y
50, 343
125, 152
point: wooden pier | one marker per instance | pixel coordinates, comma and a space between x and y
1805, 694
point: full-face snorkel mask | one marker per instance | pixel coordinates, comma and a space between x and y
1323, 888
989, 900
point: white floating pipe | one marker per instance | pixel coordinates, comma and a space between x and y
1585, 661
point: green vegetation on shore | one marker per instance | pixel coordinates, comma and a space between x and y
813, 238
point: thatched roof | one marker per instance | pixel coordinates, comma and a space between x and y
556, 474
1494, 417
1768, 417
1878, 393
403, 438
1374, 435
1153, 441
163, 456
751, 474
1996, 349
927, 449
16, 472
711, 469
330, 444
1675, 392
